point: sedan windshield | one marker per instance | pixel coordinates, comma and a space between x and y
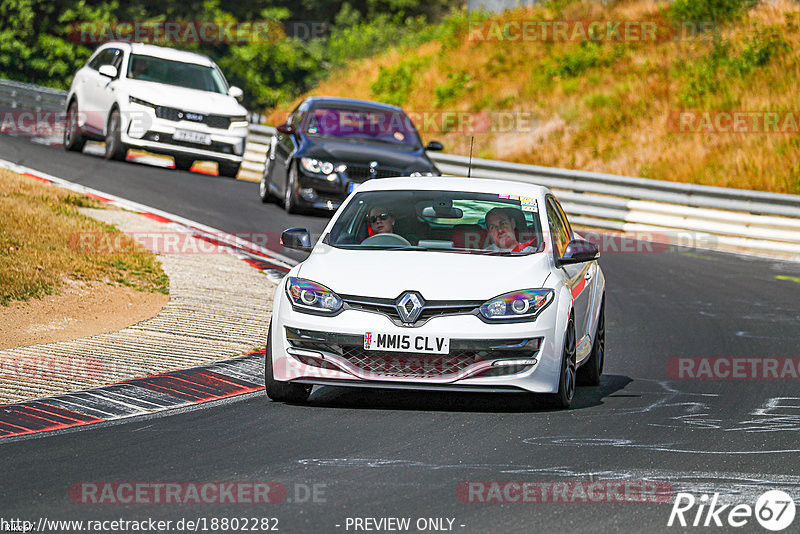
190, 75
387, 126
442, 221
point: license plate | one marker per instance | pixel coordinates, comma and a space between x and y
350, 187
192, 137
406, 343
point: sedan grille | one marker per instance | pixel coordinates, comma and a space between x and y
359, 173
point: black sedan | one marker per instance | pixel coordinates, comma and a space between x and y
327, 146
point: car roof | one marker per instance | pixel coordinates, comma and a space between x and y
454, 183
165, 53
336, 100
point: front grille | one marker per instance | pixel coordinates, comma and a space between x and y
174, 114
463, 353
430, 309
359, 173
410, 365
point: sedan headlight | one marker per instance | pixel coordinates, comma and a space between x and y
316, 166
525, 304
311, 296
134, 100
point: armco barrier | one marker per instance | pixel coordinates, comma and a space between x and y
716, 217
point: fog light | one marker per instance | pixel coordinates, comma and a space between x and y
501, 363
308, 194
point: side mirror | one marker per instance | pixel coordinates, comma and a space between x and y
286, 129
108, 70
579, 251
235, 92
297, 238
434, 145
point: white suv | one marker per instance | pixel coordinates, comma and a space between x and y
166, 101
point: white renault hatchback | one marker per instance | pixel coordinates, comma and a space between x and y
440, 284
166, 101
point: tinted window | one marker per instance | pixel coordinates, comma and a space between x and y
435, 220
106, 57
190, 75
387, 126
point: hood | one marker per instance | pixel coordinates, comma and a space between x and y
436, 275
362, 153
185, 99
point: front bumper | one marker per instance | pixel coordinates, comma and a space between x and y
329, 351
142, 129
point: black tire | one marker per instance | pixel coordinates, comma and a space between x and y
73, 139
281, 391
263, 187
227, 169
590, 372
566, 379
183, 163
115, 149
290, 202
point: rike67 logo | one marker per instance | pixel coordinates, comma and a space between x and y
774, 510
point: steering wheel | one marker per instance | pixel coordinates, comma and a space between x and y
387, 239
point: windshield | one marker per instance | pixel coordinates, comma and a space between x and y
387, 126
190, 75
444, 221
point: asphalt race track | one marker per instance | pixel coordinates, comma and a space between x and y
379, 454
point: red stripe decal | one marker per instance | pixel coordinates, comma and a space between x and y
578, 289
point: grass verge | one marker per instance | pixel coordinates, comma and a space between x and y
39, 227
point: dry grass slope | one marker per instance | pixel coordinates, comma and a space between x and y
606, 106
40, 247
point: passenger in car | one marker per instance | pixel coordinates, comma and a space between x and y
502, 228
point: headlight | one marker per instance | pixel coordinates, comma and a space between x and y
312, 296
239, 122
525, 304
134, 100
316, 166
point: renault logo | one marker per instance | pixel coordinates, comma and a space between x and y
409, 306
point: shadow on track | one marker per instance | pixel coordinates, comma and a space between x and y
387, 399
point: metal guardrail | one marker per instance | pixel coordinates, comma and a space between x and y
29, 97
710, 217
